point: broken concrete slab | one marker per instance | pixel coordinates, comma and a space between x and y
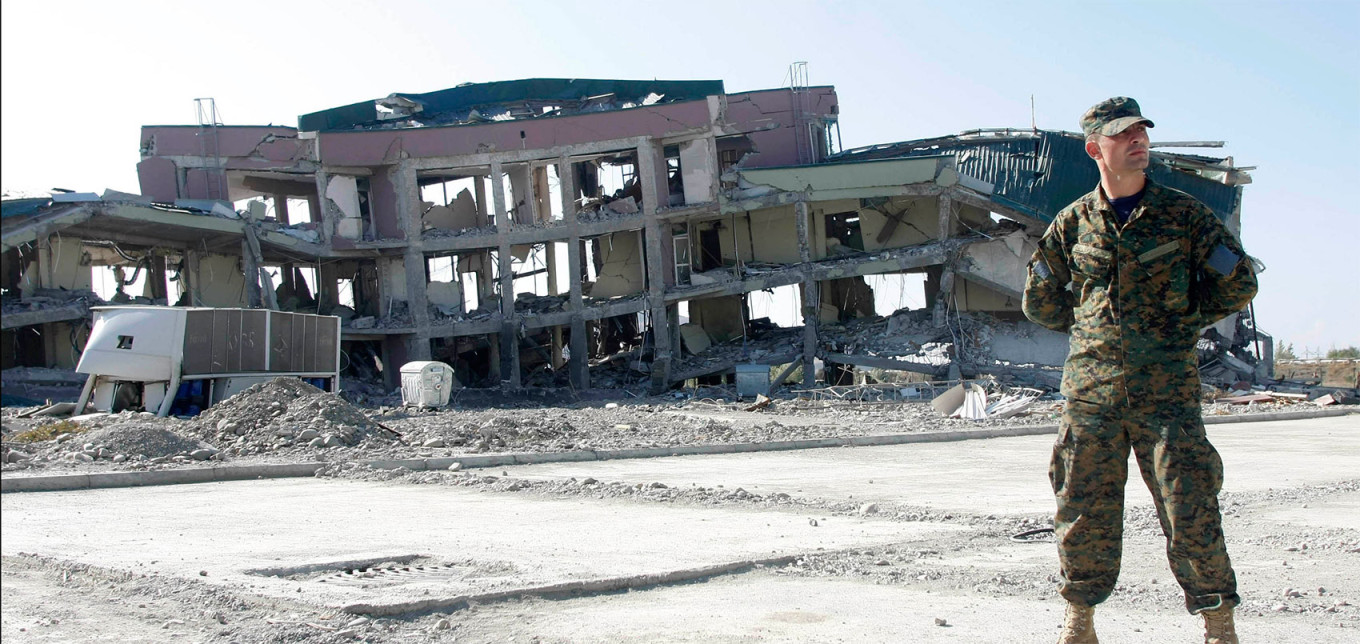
696, 340
502, 530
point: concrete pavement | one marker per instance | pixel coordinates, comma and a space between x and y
993, 476
282, 537
229, 529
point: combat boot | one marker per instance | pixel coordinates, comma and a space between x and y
1079, 625
1218, 626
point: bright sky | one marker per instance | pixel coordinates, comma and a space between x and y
1278, 81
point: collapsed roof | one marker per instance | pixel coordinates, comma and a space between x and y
1040, 172
472, 103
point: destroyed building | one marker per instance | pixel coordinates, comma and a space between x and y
551, 232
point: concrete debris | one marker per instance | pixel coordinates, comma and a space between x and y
762, 401
278, 414
970, 401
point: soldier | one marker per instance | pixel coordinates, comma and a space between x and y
1133, 270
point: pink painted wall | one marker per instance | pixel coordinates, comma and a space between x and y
157, 179
233, 141
753, 111
378, 147
382, 202
202, 184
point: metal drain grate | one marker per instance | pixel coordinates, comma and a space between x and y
398, 575
390, 571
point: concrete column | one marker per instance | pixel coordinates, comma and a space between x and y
327, 293
322, 212
946, 216
479, 193
653, 191
252, 275
408, 204
314, 209
281, 209
579, 366
550, 256
486, 287
812, 293
189, 278
812, 306
509, 340
155, 279
803, 220
946, 293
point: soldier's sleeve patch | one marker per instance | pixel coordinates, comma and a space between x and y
1223, 260
1041, 269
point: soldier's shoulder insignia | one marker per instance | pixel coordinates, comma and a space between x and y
1223, 260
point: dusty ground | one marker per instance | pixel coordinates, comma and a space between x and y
1312, 574
288, 421
49, 600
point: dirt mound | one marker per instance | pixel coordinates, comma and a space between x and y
136, 439
285, 412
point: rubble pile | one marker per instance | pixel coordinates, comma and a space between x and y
131, 438
286, 412
763, 345
46, 298
529, 303
1228, 352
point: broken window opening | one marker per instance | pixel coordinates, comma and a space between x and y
675, 181
440, 268
443, 293
732, 150
451, 205
370, 227
780, 306
683, 267
530, 267
552, 201
443, 190
897, 291
362, 360
299, 211
344, 292
843, 234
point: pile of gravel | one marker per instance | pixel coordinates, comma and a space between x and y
135, 438
283, 413
140, 439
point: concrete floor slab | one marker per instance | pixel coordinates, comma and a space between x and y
763, 607
493, 542
991, 476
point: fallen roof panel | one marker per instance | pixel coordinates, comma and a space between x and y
469, 96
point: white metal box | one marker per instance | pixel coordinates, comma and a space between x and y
426, 383
753, 380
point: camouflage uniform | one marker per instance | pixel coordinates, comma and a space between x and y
1139, 294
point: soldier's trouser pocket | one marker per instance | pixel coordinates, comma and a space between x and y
1185, 473
1088, 470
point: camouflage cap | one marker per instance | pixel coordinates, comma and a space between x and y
1112, 116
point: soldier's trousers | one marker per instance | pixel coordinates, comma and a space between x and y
1181, 469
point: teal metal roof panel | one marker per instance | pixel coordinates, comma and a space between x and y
464, 98
1040, 173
